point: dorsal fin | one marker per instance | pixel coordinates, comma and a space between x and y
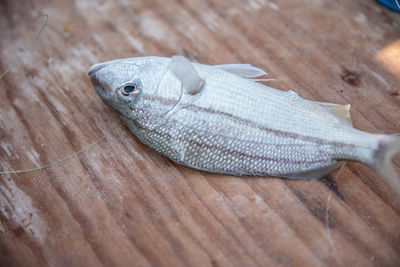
243, 70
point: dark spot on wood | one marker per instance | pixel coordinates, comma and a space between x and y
355, 171
3, 135
84, 222
397, 242
31, 72
300, 197
386, 18
394, 93
341, 91
214, 263
128, 215
19, 231
4, 252
351, 77
332, 185
7, 210
110, 26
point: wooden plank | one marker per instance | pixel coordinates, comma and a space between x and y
120, 203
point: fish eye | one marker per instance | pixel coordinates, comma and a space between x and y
128, 89
128, 92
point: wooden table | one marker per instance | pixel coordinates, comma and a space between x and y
121, 204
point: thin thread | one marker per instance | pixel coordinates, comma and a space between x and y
32, 44
397, 3
56, 162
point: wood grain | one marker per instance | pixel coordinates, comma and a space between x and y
121, 204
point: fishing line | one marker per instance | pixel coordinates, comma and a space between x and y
50, 164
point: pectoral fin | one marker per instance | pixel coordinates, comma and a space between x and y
243, 70
184, 70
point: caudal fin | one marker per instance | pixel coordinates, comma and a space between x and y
382, 163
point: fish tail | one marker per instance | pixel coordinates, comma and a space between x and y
389, 145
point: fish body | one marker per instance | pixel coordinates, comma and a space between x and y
234, 125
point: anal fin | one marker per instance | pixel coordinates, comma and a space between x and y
314, 174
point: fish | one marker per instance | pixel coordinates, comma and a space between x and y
221, 119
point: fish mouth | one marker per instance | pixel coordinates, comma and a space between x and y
96, 81
96, 67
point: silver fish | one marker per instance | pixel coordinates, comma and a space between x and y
220, 119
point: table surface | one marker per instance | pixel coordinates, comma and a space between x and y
121, 204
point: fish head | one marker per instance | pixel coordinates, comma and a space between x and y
134, 86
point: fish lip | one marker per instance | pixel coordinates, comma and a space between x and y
96, 81
96, 67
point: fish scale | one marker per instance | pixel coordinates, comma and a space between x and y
218, 119
214, 153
